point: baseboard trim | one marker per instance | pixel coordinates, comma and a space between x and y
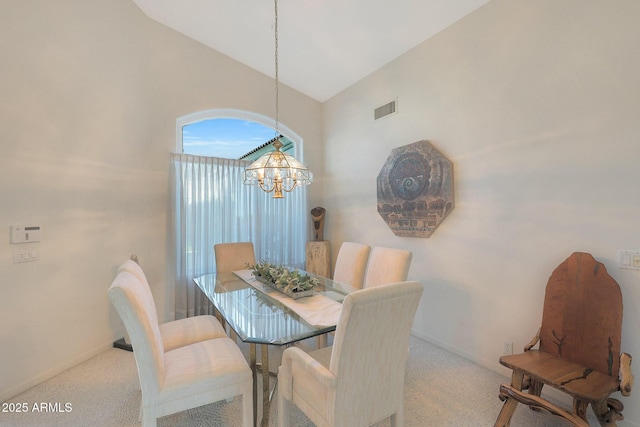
11, 392
492, 366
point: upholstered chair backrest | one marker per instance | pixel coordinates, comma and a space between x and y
351, 264
387, 265
133, 305
135, 269
370, 350
234, 256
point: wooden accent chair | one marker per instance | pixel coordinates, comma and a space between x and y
351, 264
360, 379
387, 265
176, 333
579, 351
183, 378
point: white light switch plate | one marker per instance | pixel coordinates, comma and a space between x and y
629, 259
25, 254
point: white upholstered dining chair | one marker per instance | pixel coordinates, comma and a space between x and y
187, 377
351, 264
360, 379
387, 265
176, 333
234, 256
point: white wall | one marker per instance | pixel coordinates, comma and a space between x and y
90, 95
537, 105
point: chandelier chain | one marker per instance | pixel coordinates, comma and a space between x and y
276, 62
276, 171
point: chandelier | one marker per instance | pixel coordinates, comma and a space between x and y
276, 171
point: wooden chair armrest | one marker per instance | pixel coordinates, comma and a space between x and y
533, 341
626, 377
507, 391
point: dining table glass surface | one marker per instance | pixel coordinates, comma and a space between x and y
258, 316
262, 316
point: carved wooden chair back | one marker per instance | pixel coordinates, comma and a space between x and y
582, 315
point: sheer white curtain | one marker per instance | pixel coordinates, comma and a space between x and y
212, 205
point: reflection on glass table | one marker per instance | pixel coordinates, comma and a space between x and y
261, 315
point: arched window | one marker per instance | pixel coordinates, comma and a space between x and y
211, 205
232, 134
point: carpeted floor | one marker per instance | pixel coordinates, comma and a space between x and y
442, 389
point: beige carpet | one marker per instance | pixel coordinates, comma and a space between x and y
442, 389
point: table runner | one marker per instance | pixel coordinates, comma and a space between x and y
317, 310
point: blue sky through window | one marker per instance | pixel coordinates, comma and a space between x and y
226, 138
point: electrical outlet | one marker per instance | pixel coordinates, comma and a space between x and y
507, 348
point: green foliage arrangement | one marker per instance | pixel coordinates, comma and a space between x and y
288, 281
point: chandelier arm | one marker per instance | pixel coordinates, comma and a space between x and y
263, 188
289, 190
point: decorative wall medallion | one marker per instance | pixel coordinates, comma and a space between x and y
415, 189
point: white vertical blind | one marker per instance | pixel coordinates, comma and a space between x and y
212, 205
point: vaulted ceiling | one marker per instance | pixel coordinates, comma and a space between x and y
324, 46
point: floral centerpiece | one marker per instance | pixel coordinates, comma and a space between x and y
290, 282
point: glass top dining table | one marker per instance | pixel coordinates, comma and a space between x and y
259, 318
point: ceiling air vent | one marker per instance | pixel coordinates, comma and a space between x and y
384, 110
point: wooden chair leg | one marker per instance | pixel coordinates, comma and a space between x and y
509, 406
580, 408
608, 412
535, 389
513, 394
